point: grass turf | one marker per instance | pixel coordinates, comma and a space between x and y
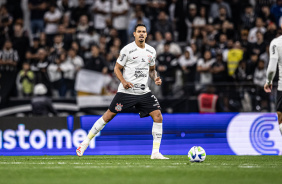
135, 169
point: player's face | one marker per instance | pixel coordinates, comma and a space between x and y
140, 34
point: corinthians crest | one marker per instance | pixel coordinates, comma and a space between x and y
118, 107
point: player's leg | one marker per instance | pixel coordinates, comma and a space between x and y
157, 132
96, 128
279, 114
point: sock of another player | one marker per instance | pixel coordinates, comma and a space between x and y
157, 132
96, 128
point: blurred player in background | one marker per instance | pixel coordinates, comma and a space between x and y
275, 57
137, 60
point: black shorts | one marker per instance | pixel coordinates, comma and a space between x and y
279, 101
143, 103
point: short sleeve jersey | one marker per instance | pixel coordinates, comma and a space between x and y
275, 55
136, 63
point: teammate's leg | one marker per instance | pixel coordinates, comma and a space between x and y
96, 128
157, 132
280, 120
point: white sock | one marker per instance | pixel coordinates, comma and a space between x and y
157, 132
96, 128
280, 128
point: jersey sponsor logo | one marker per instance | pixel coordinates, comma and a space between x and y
122, 57
149, 51
139, 74
132, 51
139, 86
273, 49
118, 107
141, 68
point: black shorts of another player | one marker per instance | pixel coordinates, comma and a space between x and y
143, 103
279, 101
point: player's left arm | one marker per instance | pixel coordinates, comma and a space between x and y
272, 66
154, 77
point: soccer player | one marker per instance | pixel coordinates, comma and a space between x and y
137, 60
275, 57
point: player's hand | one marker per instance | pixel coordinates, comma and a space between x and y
127, 85
267, 88
158, 81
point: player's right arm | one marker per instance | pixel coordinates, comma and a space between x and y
272, 66
118, 73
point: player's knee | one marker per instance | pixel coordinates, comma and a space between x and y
279, 114
108, 116
158, 117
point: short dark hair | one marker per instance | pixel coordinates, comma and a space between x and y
138, 25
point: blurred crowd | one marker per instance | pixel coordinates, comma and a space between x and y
199, 44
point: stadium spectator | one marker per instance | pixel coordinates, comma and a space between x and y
219, 69
65, 6
260, 99
174, 48
266, 16
204, 70
162, 24
208, 101
271, 32
41, 104
61, 74
101, 10
37, 9
187, 62
215, 6
221, 18
9, 59
201, 20
155, 40
57, 48
120, 18
192, 13
154, 8
31, 53
67, 36
5, 16
252, 38
39, 67
26, 80
265, 56
20, 42
177, 14
51, 19
81, 9
166, 64
96, 62
259, 46
248, 17
234, 56
277, 11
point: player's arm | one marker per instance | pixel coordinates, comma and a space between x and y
272, 66
118, 73
154, 77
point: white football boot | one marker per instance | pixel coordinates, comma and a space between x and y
158, 155
81, 148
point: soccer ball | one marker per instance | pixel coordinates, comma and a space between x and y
196, 154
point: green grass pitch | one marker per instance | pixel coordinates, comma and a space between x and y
135, 169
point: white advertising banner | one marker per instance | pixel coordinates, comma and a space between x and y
254, 134
91, 81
